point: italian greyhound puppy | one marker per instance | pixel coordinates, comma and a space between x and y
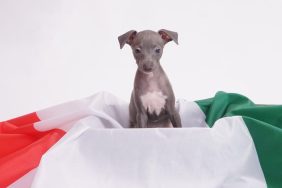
152, 101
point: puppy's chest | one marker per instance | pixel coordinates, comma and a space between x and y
154, 101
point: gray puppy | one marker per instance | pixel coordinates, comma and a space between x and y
152, 101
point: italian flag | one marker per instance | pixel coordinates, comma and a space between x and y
226, 141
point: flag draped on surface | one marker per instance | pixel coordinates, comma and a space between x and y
227, 141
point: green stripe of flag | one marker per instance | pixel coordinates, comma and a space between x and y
264, 123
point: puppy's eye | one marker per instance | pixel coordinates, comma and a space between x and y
137, 50
158, 50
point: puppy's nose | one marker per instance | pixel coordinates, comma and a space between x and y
147, 68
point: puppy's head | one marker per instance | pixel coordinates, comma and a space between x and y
147, 46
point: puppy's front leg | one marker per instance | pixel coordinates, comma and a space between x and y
175, 119
142, 120
173, 114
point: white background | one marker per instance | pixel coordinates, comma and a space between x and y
53, 51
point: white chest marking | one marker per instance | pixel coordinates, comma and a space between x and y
154, 101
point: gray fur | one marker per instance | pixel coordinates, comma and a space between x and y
147, 47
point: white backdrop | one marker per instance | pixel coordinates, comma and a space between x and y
53, 51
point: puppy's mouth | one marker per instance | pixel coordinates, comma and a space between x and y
148, 70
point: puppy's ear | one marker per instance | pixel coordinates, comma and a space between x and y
127, 38
168, 36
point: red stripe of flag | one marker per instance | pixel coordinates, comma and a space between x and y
25, 119
21, 147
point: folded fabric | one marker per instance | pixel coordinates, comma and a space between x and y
226, 141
